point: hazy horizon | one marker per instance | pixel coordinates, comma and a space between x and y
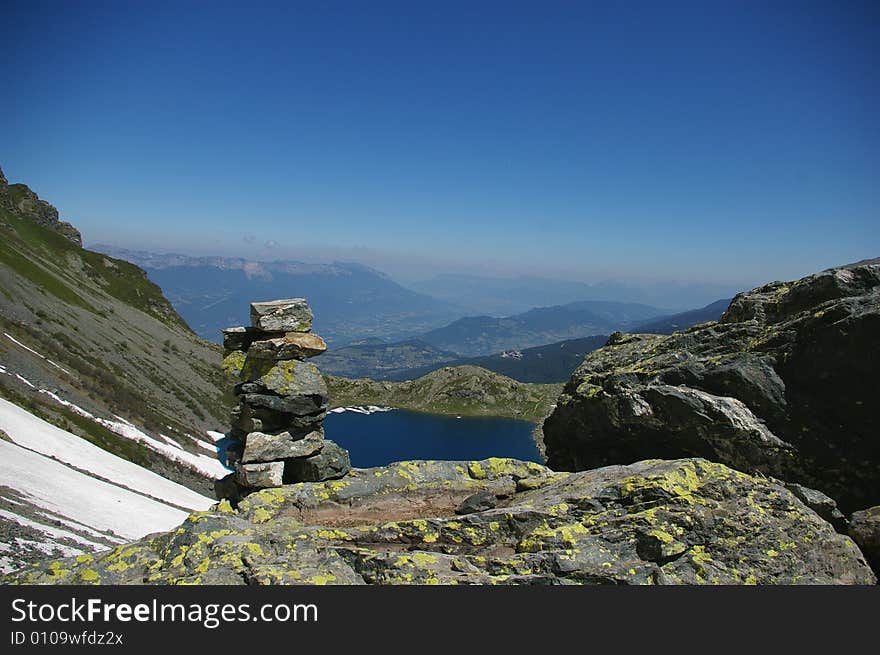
695, 143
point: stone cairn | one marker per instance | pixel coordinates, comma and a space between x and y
277, 434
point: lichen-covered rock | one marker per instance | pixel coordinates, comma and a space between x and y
864, 528
654, 522
779, 386
288, 315
293, 345
233, 362
330, 463
297, 386
262, 447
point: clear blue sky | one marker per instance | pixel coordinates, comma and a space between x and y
734, 141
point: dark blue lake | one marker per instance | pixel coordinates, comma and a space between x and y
384, 437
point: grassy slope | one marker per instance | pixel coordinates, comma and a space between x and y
124, 348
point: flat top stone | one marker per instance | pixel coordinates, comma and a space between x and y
292, 345
289, 314
269, 306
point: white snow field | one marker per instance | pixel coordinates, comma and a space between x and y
77, 493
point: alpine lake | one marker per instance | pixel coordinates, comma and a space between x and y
382, 437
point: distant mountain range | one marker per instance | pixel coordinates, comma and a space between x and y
498, 296
377, 328
351, 302
484, 335
547, 364
477, 337
542, 364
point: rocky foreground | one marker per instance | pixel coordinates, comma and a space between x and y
785, 384
497, 521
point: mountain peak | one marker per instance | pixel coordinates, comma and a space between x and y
27, 204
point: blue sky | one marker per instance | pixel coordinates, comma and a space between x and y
732, 142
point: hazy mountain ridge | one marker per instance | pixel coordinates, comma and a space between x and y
545, 364
506, 296
549, 364
351, 301
483, 335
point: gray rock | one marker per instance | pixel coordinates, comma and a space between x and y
296, 406
241, 338
289, 315
655, 522
255, 413
287, 378
262, 447
260, 476
864, 528
294, 345
478, 502
331, 463
797, 357
821, 504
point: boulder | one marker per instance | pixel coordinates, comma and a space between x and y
821, 504
864, 528
331, 463
233, 362
777, 386
293, 345
259, 413
655, 522
310, 407
259, 475
289, 315
288, 378
262, 447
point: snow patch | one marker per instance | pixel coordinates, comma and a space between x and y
51, 531
207, 466
362, 409
76, 496
41, 356
36, 434
26, 381
171, 441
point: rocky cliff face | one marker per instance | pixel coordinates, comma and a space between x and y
784, 384
20, 199
495, 521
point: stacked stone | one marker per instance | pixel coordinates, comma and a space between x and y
277, 428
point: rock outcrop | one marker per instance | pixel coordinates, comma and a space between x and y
20, 199
864, 528
784, 384
277, 427
495, 521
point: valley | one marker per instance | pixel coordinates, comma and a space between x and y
114, 417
